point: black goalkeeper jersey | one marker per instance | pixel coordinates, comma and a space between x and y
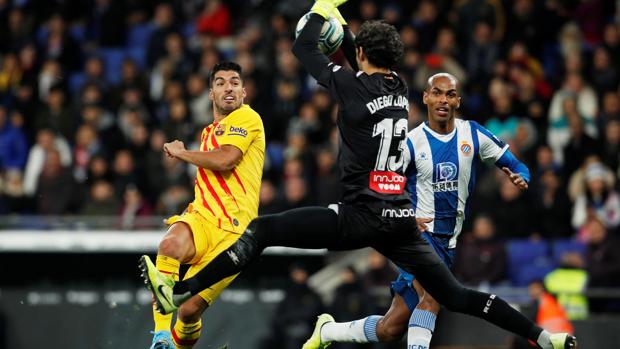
372, 120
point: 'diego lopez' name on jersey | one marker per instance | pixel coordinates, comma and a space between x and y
387, 101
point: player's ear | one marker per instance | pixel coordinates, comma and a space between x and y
211, 94
458, 103
425, 98
244, 93
359, 52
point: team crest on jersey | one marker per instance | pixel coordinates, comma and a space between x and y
422, 156
465, 148
219, 130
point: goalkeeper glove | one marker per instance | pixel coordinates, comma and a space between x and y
338, 16
325, 7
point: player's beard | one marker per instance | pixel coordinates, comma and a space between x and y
227, 109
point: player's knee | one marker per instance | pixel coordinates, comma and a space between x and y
171, 246
428, 303
178, 243
389, 332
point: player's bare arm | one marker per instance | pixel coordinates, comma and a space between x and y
224, 158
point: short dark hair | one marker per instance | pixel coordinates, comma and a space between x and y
226, 66
381, 43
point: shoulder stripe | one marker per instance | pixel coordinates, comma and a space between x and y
487, 133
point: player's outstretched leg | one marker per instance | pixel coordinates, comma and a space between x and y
314, 342
162, 340
159, 284
563, 341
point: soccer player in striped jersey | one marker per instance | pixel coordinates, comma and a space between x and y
444, 154
228, 178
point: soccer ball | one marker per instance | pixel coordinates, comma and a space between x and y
331, 33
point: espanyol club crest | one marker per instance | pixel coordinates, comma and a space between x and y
465, 148
219, 129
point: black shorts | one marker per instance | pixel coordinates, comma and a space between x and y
388, 227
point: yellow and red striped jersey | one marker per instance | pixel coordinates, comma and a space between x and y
229, 199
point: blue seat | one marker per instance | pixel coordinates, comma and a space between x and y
41, 35
528, 260
78, 32
138, 55
188, 30
113, 62
139, 35
76, 81
566, 245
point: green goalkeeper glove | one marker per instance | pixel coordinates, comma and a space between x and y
338, 16
325, 7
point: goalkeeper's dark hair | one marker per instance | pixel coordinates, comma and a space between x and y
226, 66
381, 43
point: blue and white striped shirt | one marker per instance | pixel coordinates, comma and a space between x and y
441, 173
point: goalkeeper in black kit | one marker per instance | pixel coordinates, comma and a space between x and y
375, 208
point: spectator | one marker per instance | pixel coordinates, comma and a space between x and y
107, 23
60, 45
56, 115
585, 105
214, 19
200, 102
568, 283
295, 193
510, 210
611, 151
603, 263
124, 171
101, 201
47, 141
13, 143
86, 145
296, 313
605, 76
327, 179
379, 273
611, 110
482, 54
269, 199
552, 206
134, 209
580, 145
599, 199
481, 257
57, 193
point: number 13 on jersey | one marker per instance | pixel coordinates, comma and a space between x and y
385, 179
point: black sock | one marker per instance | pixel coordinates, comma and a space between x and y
439, 282
497, 311
220, 267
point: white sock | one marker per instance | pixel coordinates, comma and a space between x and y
544, 340
358, 331
419, 338
421, 327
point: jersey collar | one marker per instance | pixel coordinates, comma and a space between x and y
440, 136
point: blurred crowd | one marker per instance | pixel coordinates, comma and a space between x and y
90, 90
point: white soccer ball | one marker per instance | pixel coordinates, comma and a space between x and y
331, 33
